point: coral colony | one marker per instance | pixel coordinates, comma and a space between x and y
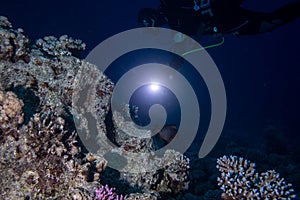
42, 157
106, 193
239, 180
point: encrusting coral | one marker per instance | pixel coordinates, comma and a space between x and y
11, 114
239, 180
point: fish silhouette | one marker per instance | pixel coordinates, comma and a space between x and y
167, 133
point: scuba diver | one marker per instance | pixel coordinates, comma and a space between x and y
216, 17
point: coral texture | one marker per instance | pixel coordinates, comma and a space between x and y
63, 46
42, 153
39, 163
11, 114
106, 193
139, 196
170, 177
14, 45
166, 174
239, 180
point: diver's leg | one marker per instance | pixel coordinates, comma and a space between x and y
280, 17
288, 12
259, 22
251, 23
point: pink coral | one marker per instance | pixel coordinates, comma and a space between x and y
106, 193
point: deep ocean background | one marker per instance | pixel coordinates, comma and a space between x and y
260, 72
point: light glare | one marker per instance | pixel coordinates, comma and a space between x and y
154, 87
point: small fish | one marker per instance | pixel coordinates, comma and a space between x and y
167, 133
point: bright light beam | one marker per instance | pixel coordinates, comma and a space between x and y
154, 87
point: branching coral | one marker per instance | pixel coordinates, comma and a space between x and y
13, 44
63, 46
239, 180
106, 193
41, 163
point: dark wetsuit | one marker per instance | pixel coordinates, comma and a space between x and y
197, 17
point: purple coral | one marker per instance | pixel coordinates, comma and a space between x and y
106, 193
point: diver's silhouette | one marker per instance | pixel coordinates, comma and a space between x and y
202, 17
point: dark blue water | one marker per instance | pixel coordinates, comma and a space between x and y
260, 72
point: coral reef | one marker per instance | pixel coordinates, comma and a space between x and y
149, 172
37, 163
239, 180
42, 155
171, 177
